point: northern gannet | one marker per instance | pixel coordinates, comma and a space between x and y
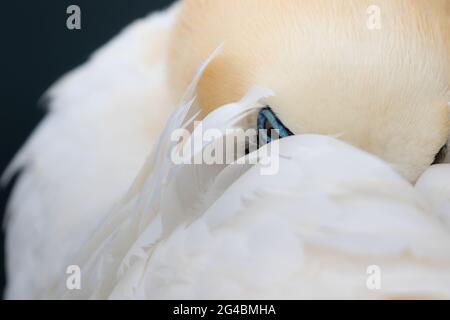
369, 110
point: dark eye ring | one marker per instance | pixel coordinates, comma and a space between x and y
267, 120
440, 156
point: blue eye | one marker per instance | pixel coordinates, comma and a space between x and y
267, 120
440, 156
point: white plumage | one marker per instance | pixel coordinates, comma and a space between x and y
100, 128
207, 231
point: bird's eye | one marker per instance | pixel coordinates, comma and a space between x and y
267, 120
440, 156
268, 126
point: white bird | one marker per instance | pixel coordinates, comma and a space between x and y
225, 231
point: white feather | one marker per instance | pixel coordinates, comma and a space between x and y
309, 231
86, 153
207, 231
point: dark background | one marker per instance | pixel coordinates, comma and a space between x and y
36, 49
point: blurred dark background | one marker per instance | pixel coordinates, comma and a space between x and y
36, 50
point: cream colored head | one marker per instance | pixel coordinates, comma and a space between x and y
384, 90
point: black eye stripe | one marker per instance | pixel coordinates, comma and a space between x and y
440, 156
